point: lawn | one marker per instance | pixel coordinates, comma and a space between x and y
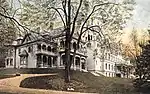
3, 76
81, 82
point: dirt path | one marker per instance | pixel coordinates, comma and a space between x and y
11, 85
15, 81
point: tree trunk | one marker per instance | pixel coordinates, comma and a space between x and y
67, 57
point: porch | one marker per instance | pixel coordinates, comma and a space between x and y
46, 61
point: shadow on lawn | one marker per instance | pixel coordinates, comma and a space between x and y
6, 76
7, 93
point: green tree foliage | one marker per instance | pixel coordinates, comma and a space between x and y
112, 18
7, 30
143, 68
76, 16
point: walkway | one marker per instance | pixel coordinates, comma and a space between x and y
11, 85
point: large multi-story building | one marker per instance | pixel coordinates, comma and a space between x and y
46, 50
43, 51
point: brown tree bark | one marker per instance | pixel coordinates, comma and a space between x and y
67, 56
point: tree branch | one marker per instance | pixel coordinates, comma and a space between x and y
64, 3
93, 10
56, 9
75, 18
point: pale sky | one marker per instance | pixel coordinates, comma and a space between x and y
141, 15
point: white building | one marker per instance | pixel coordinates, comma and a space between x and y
47, 51
42, 51
106, 58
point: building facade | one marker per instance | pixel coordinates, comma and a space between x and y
43, 51
47, 50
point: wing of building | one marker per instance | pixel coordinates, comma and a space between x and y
46, 50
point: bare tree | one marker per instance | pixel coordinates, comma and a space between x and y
72, 13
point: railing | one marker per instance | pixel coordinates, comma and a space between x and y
45, 52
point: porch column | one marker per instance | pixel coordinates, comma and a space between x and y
41, 61
61, 60
52, 61
85, 61
58, 61
74, 63
80, 65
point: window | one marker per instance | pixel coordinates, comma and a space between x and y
11, 62
88, 37
29, 49
105, 55
111, 67
105, 66
23, 60
85, 38
39, 46
39, 60
7, 62
81, 46
54, 50
11, 52
44, 59
74, 45
49, 48
55, 61
19, 51
109, 56
44, 47
78, 46
77, 61
89, 45
62, 44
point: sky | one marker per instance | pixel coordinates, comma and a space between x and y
141, 15
139, 21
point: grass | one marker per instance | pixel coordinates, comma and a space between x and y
6, 76
7, 93
81, 82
